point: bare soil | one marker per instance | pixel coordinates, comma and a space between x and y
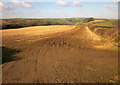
58, 54
96, 21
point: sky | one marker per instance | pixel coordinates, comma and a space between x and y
58, 9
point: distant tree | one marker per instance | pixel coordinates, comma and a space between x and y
86, 20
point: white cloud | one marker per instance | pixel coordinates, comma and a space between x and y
30, 0
3, 5
26, 5
76, 3
115, 0
62, 3
110, 6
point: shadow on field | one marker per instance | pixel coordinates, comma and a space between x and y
8, 55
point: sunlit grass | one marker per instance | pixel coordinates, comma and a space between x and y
105, 24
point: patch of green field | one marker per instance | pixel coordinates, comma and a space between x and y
104, 24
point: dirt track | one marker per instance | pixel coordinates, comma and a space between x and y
66, 56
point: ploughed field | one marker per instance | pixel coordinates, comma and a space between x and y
58, 54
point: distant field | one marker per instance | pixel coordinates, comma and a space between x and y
19, 23
105, 24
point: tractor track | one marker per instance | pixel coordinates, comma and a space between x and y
65, 57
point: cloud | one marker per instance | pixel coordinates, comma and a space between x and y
3, 5
30, 0
62, 3
26, 5
76, 3
110, 6
115, 0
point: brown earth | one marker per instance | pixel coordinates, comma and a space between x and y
66, 55
96, 21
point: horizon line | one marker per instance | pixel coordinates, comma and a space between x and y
57, 18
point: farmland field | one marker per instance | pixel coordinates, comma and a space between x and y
69, 53
59, 42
